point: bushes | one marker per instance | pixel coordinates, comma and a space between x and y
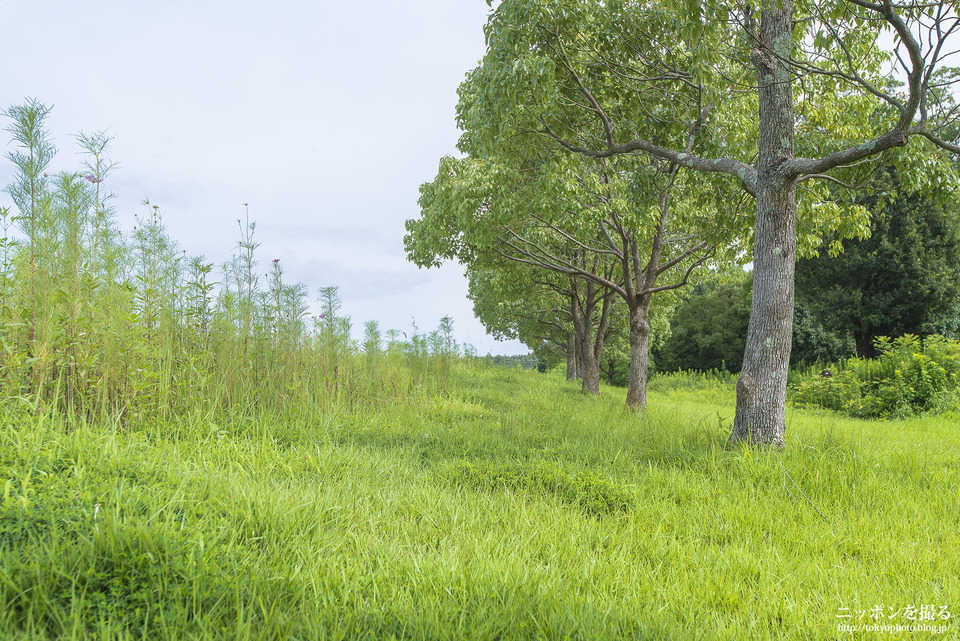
910, 376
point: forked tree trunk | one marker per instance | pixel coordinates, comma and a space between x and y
639, 355
762, 388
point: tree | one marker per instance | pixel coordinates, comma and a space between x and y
492, 216
812, 72
512, 304
643, 246
545, 310
814, 343
709, 329
611, 225
903, 279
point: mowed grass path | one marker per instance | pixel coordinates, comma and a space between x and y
509, 506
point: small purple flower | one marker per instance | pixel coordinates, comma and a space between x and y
276, 260
323, 315
92, 178
46, 175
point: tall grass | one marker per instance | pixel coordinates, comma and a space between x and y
131, 329
510, 506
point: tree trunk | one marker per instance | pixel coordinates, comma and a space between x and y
583, 327
577, 361
603, 327
590, 366
639, 354
762, 388
864, 345
571, 350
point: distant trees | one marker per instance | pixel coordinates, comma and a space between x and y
522, 361
514, 302
903, 279
501, 223
708, 329
614, 233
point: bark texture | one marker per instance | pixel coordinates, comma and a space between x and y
762, 388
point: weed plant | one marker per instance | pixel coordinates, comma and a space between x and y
130, 329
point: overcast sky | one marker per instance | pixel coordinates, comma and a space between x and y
324, 116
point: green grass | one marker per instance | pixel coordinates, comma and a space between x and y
508, 507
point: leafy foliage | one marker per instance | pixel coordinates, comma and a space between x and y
633, 79
522, 361
903, 279
909, 376
708, 329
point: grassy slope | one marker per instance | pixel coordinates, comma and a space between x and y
511, 507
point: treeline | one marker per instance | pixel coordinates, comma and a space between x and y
901, 279
875, 326
522, 361
98, 323
901, 282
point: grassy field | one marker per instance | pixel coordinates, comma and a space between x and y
509, 506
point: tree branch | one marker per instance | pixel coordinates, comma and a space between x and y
747, 174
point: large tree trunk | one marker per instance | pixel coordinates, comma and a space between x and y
639, 355
762, 388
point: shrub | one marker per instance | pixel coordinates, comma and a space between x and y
910, 376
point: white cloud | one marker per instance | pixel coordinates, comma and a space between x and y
324, 117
